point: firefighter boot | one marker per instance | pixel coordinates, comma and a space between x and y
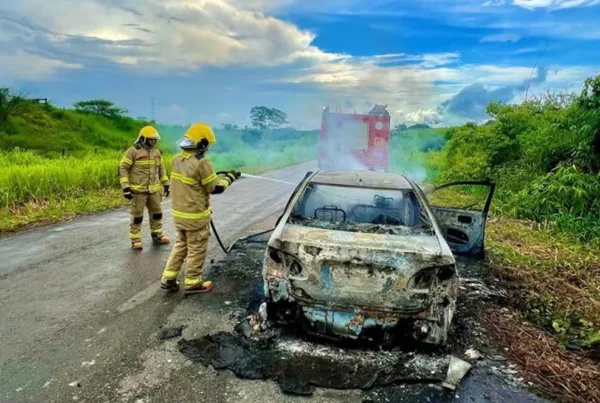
169, 285
199, 288
160, 239
137, 245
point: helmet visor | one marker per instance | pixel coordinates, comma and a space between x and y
186, 144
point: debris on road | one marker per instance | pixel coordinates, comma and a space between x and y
300, 366
456, 371
75, 384
476, 287
254, 323
88, 363
170, 333
473, 354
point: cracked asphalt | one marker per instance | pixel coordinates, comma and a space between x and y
81, 313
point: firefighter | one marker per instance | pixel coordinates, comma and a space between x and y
143, 176
193, 180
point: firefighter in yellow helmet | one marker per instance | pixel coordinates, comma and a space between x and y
143, 177
193, 180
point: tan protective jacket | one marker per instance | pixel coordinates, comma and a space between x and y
193, 180
142, 170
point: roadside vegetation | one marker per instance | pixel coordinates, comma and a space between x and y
60, 163
543, 234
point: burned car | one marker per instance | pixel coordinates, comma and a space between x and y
361, 254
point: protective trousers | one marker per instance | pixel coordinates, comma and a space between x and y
191, 244
140, 201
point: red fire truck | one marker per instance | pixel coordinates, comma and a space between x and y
355, 141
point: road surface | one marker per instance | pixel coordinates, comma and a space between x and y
81, 311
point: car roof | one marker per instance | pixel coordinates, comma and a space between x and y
366, 179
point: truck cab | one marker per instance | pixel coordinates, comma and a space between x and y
355, 141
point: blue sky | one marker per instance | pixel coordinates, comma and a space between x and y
212, 60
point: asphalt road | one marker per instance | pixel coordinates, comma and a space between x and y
81, 312
74, 294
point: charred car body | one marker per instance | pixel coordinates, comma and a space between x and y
360, 254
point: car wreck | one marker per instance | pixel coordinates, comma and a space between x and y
363, 255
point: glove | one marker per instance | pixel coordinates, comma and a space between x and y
236, 174
167, 188
127, 194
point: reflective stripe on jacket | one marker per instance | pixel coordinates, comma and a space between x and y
142, 170
193, 179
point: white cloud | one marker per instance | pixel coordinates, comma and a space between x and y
31, 66
181, 36
173, 114
162, 35
427, 116
554, 4
504, 37
494, 3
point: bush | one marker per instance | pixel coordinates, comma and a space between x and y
544, 155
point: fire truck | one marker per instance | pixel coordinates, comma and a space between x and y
355, 141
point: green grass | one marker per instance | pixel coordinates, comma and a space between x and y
35, 188
32, 213
58, 163
50, 130
555, 277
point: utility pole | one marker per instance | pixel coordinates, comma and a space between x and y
152, 112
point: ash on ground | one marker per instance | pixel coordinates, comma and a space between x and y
299, 364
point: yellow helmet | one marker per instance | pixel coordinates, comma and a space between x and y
148, 132
199, 136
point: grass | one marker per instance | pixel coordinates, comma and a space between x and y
51, 210
50, 130
39, 189
554, 277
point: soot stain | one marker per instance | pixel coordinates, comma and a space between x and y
299, 366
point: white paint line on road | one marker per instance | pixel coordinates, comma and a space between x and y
140, 297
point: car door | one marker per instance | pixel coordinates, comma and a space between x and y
462, 213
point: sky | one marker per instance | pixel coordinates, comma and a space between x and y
183, 61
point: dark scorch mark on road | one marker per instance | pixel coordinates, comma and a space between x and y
298, 366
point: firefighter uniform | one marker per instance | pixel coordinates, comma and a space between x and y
193, 180
142, 176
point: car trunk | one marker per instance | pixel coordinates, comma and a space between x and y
365, 270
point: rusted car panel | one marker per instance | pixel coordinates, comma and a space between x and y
464, 228
335, 266
358, 279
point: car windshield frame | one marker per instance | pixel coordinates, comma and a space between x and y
404, 215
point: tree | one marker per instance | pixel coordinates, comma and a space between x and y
10, 103
263, 117
100, 107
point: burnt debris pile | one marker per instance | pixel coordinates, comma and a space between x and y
299, 366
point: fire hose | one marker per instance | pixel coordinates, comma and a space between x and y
212, 224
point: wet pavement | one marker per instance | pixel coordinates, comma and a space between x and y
76, 293
82, 315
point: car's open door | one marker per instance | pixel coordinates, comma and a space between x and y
461, 209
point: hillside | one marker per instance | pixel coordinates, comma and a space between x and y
53, 131
50, 129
